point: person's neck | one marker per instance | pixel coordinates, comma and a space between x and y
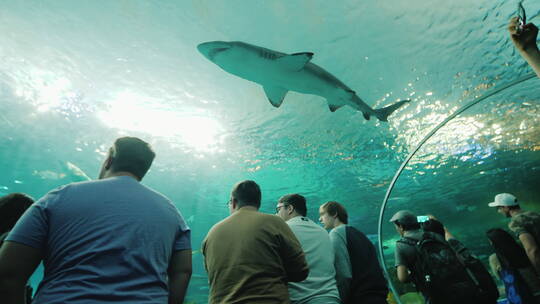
294, 215
247, 208
120, 173
338, 223
515, 212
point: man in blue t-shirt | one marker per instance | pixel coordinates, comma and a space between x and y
112, 240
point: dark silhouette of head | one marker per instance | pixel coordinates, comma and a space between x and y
247, 193
12, 207
297, 201
433, 225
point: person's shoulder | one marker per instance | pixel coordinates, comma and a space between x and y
341, 230
338, 233
271, 219
517, 221
356, 232
57, 193
531, 214
88, 185
217, 226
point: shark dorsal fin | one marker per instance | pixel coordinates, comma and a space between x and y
296, 61
275, 95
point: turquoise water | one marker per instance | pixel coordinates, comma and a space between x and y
75, 75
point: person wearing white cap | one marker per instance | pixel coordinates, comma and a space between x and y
525, 224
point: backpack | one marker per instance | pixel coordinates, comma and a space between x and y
487, 291
438, 273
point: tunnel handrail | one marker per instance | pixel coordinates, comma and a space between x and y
422, 142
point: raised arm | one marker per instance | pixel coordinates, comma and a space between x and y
531, 248
179, 273
525, 42
17, 263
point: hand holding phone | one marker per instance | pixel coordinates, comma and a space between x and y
522, 18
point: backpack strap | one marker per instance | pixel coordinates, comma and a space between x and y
409, 241
3, 236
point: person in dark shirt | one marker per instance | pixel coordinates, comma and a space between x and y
358, 272
12, 207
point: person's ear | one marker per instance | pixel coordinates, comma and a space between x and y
108, 162
290, 210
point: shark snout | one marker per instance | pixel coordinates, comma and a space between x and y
212, 48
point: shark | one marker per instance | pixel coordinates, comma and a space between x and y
279, 73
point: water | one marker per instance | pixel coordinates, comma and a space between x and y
76, 75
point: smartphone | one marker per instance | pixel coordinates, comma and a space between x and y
422, 218
522, 17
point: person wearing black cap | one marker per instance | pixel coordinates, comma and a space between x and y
525, 225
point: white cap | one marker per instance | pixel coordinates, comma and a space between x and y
504, 200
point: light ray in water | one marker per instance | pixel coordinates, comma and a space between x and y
131, 112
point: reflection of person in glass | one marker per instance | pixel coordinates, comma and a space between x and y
524, 38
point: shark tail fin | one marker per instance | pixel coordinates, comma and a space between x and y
383, 113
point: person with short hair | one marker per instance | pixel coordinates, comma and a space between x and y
111, 240
525, 224
320, 285
250, 256
12, 207
358, 273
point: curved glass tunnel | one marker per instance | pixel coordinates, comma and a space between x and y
75, 75
475, 162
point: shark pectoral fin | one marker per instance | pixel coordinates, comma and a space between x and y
334, 107
275, 95
295, 61
366, 115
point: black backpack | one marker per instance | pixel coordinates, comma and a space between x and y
487, 291
438, 273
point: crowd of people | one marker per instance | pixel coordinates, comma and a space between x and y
446, 272
116, 240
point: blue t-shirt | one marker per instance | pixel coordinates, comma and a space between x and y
104, 241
